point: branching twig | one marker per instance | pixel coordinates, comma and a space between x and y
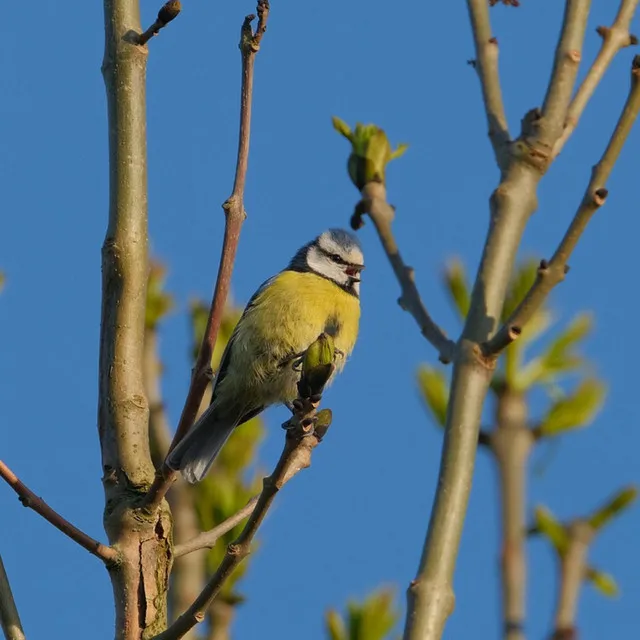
573, 566
31, 500
300, 442
563, 77
430, 596
169, 12
552, 272
486, 64
9, 617
208, 539
235, 215
614, 39
374, 203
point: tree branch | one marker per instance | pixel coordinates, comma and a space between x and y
511, 444
167, 13
374, 202
552, 272
430, 596
9, 617
573, 566
235, 215
549, 126
486, 64
31, 500
614, 39
296, 455
208, 539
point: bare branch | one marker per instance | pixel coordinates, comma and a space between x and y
573, 565
563, 77
430, 596
31, 500
169, 12
235, 215
374, 203
511, 444
614, 39
552, 272
486, 64
9, 617
208, 539
296, 455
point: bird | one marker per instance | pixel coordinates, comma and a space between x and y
318, 292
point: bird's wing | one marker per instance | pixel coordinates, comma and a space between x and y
226, 356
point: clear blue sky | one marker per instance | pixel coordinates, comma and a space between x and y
358, 516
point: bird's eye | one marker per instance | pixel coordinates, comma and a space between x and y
336, 258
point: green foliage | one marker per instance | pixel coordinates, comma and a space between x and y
435, 392
577, 409
547, 525
199, 314
159, 303
457, 286
616, 505
603, 582
370, 152
372, 619
225, 489
560, 357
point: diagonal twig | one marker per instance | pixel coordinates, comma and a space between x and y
300, 441
486, 64
374, 202
9, 616
234, 217
208, 539
614, 38
31, 500
552, 272
167, 13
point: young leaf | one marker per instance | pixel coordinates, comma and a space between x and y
435, 392
618, 503
372, 619
455, 280
577, 409
554, 531
603, 582
159, 303
560, 355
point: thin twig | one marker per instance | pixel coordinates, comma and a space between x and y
374, 203
208, 539
614, 38
486, 64
31, 500
552, 272
573, 565
169, 12
9, 616
563, 77
296, 455
235, 215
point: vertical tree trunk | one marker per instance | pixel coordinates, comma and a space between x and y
140, 576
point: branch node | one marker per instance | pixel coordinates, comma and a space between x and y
603, 31
600, 196
633, 40
574, 56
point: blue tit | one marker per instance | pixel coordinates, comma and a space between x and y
318, 292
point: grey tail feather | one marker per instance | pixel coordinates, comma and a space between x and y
196, 452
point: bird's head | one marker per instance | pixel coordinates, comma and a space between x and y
336, 255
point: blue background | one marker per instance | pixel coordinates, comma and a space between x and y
357, 518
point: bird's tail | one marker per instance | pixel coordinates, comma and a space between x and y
195, 453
